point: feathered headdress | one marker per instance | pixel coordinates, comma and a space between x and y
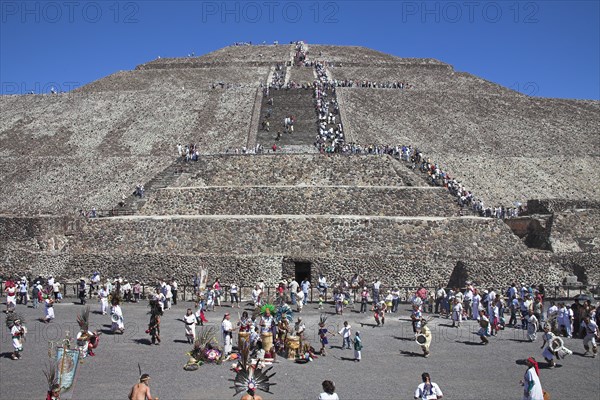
115, 299
284, 312
322, 319
13, 317
269, 307
83, 319
249, 380
51, 377
155, 308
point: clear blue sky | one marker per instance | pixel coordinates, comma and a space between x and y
545, 48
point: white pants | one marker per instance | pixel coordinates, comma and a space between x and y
49, 312
103, 305
590, 337
228, 346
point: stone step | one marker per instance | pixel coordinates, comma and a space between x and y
302, 200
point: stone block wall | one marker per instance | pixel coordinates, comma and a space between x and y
576, 231
400, 201
473, 238
298, 169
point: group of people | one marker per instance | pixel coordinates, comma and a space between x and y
188, 152
370, 84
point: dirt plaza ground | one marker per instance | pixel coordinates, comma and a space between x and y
391, 367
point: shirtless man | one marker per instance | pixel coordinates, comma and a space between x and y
141, 391
251, 396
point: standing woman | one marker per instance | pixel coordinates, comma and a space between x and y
190, 326
218, 289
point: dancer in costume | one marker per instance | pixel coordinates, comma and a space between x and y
267, 321
118, 325
49, 309
554, 347
532, 387
141, 390
250, 379
323, 333
11, 295
245, 323
15, 322
590, 329
87, 340
484, 327
53, 392
379, 312
425, 336
190, 325
154, 325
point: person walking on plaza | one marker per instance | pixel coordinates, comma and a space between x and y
428, 390
174, 286
154, 325
532, 387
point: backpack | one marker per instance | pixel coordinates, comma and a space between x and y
35, 291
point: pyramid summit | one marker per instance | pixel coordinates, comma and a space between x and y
333, 190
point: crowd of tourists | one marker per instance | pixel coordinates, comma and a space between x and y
268, 334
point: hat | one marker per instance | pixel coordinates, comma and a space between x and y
226, 314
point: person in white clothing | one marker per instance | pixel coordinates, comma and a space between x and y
49, 304
346, 333
328, 391
428, 390
227, 331
118, 325
532, 327
476, 304
190, 326
457, 311
590, 329
103, 298
532, 387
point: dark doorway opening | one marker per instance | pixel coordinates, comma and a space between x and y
301, 271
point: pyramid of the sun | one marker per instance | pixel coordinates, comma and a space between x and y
279, 215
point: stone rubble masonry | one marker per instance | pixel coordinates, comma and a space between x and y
298, 169
93, 145
317, 200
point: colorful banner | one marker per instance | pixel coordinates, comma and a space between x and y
66, 365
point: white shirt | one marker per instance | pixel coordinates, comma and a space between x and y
226, 326
430, 393
327, 396
345, 331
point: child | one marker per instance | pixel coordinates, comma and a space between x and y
357, 346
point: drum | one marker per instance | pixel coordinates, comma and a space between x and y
243, 338
421, 339
556, 344
484, 324
267, 340
115, 318
292, 344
